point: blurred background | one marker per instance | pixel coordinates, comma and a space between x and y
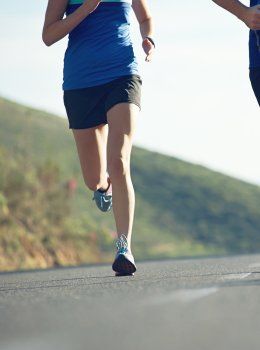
196, 145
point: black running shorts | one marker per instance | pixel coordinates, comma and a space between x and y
87, 107
255, 81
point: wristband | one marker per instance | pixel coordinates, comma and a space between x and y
150, 39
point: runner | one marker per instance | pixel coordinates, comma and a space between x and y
251, 17
102, 97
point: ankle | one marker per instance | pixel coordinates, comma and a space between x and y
102, 190
127, 238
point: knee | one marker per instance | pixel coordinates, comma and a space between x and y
118, 166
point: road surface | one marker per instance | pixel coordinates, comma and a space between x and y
183, 304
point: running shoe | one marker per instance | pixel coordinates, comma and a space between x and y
104, 198
124, 263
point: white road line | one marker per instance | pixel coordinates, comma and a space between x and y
237, 276
184, 295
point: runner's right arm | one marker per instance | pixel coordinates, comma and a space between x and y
249, 15
56, 27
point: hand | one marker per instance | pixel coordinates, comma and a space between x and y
91, 5
251, 17
148, 49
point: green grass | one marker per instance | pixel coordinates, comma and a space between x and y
182, 209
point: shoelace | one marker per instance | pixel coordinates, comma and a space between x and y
122, 244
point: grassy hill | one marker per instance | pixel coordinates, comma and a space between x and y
181, 208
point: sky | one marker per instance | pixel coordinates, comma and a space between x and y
197, 101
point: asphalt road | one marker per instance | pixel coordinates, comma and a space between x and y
209, 304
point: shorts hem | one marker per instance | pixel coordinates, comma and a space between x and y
124, 101
87, 126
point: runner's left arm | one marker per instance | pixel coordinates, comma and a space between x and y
144, 17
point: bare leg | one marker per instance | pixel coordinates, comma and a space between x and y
91, 145
122, 120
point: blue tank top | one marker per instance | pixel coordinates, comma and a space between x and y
254, 43
99, 48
